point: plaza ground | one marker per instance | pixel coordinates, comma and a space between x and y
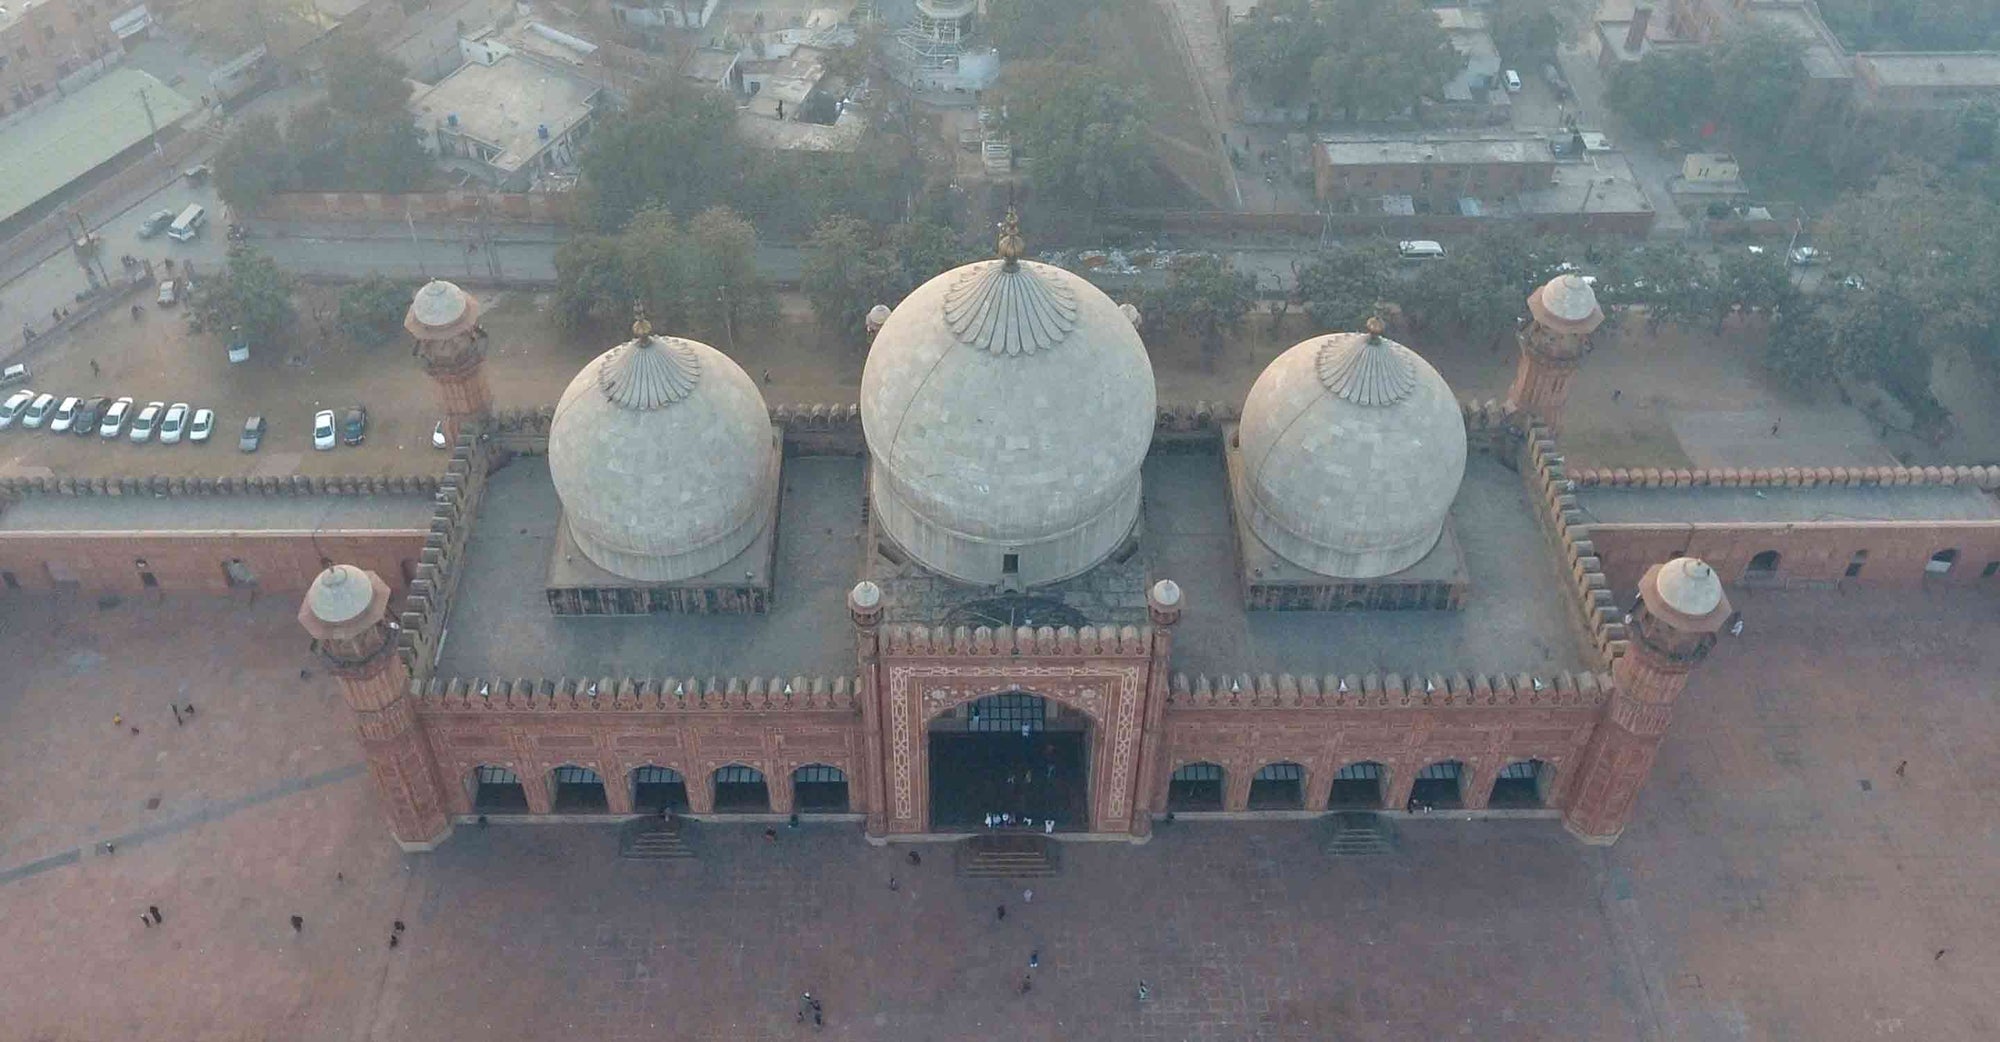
1781, 879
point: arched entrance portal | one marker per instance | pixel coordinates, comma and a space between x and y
1012, 753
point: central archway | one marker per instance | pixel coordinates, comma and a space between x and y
1013, 754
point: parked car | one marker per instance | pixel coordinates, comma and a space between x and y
354, 426
174, 424
1806, 256
156, 222
167, 294
16, 404
323, 430
65, 415
1513, 81
201, 426
88, 415
114, 418
253, 434
38, 411
144, 424
437, 436
14, 374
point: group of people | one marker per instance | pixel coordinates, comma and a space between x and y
1008, 821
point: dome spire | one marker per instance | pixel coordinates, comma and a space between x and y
1011, 245
1368, 369
648, 372
641, 329
1005, 308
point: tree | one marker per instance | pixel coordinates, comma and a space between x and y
1750, 281
675, 146
1032, 30
364, 83
1757, 75
1672, 283
1800, 349
1272, 50
1665, 92
724, 289
1204, 297
1387, 55
251, 300
1344, 285
1526, 31
253, 164
655, 262
1084, 132
845, 272
592, 285
1978, 129
371, 311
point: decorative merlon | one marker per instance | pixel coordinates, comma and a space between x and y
1389, 691
986, 641
637, 695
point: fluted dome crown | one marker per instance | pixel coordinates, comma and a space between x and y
1008, 406
440, 310
1352, 449
661, 452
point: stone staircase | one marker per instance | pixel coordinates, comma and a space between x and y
1007, 857
654, 840
1360, 835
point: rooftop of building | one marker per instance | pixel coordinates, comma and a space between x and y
1804, 505
506, 105
68, 138
1940, 69
123, 515
796, 135
1603, 183
1823, 56
1433, 149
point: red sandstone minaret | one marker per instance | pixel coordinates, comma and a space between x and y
1562, 315
346, 611
452, 347
1163, 606
864, 606
1681, 608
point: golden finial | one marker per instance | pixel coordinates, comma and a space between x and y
641, 329
1375, 327
1012, 246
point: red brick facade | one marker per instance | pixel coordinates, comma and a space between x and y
275, 562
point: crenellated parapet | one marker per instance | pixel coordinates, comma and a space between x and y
1389, 691
428, 601
637, 695
1553, 494
243, 485
1986, 478
983, 641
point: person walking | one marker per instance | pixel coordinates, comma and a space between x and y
1028, 895
1027, 983
298, 924
154, 911
1000, 914
94, 371
1144, 992
1034, 958
893, 887
177, 713
916, 858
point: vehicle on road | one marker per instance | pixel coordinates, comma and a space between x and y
174, 424
323, 438
155, 223
201, 426
239, 352
65, 416
88, 415
16, 404
188, 224
38, 411
1806, 256
1420, 249
167, 295
1755, 250
354, 425
14, 374
437, 436
253, 434
1513, 81
144, 424
114, 418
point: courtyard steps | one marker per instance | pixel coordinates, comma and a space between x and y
654, 840
1360, 835
1007, 857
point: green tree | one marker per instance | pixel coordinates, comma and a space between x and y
1083, 131
725, 290
675, 146
253, 164
1204, 298
1665, 92
1272, 51
1757, 75
250, 301
364, 83
1386, 55
1748, 280
922, 251
1526, 31
846, 272
1032, 30
655, 259
1800, 349
592, 285
1673, 285
1978, 130
371, 311
1342, 286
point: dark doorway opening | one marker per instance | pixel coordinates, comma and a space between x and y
1762, 566
819, 789
1522, 784
1196, 787
1015, 754
10, 580
1439, 786
655, 789
576, 790
741, 790
1278, 786
1357, 786
497, 790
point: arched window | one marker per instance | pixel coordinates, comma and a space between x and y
576, 790
1941, 562
1278, 786
1439, 786
818, 788
741, 790
1856, 563
1522, 784
1762, 566
655, 789
1195, 786
496, 790
1358, 786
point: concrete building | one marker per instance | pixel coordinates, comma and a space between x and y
1928, 87
1433, 171
507, 120
49, 46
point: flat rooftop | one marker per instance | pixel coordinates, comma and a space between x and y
1434, 151
1602, 183
1517, 617
69, 138
1613, 506
101, 515
1952, 69
505, 105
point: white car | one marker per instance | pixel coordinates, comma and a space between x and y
143, 424
174, 424
38, 411
65, 416
15, 405
1805, 256
201, 426
167, 294
323, 437
437, 436
114, 418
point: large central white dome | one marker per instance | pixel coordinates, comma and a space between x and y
1008, 407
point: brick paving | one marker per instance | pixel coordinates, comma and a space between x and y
1762, 892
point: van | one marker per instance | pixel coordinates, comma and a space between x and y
1513, 81
188, 224
14, 374
1419, 249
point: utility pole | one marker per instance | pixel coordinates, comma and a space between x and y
153, 133
414, 248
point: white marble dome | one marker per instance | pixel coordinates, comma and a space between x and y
662, 453
1008, 406
1352, 448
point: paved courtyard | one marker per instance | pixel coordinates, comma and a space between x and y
1782, 881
